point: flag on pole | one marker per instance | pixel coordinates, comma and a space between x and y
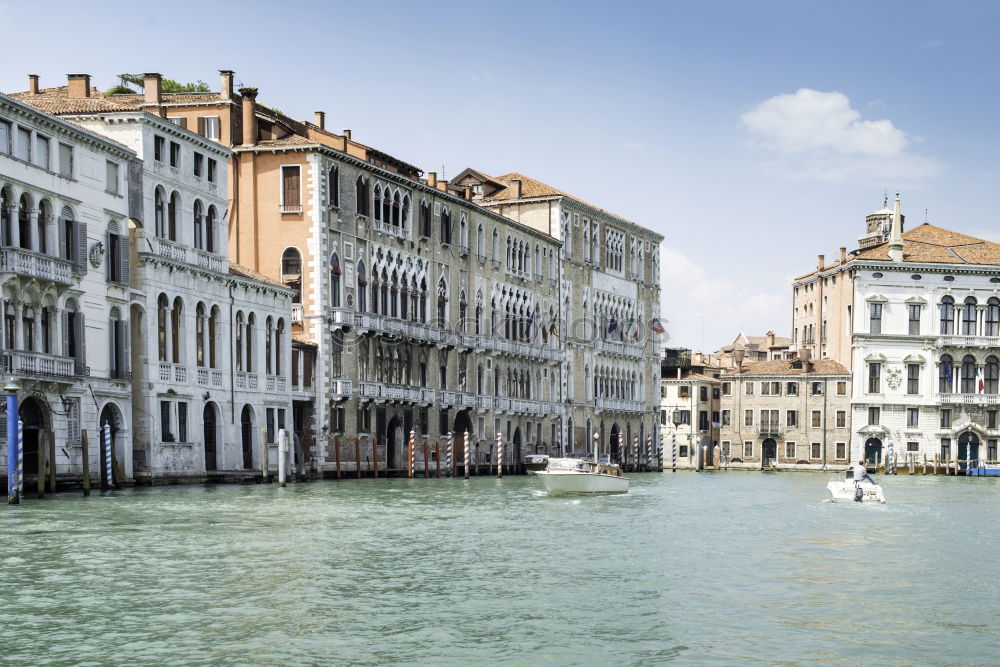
656, 325
982, 380
554, 329
613, 326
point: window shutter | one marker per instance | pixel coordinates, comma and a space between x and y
111, 247
61, 234
65, 333
126, 346
201, 125
112, 350
81, 338
123, 258
80, 254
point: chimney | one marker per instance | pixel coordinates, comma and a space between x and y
468, 193
226, 84
515, 188
432, 179
319, 119
770, 339
249, 116
896, 237
152, 84
820, 263
32, 84
347, 133
79, 85
843, 255
442, 186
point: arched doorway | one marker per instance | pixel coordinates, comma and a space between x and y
111, 416
873, 451
968, 449
569, 437
393, 442
32, 417
517, 448
210, 433
613, 449
768, 452
463, 423
246, 430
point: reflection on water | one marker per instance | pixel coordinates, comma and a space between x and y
694, 568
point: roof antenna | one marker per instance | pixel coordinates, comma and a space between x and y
442, 171
885, 198
925, 216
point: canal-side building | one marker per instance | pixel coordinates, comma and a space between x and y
207, 358
920, 313
690, 407
608, 311
786, 413
64, 267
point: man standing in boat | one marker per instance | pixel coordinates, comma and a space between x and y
861, 475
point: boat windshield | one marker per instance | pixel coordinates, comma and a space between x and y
571, 464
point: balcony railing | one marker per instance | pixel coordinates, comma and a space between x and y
621, 405
246, 381
383, 392
37, 364
36, 265
769, 429
969, 341
171, 250
484, 403
277, 383
339, 389
619, 348
290, 208
296, 313
211, 261
969, 399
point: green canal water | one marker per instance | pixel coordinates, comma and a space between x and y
723, 568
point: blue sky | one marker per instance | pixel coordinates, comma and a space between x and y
754, 136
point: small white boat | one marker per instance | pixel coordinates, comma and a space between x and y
535, 462
579, 476
848, 490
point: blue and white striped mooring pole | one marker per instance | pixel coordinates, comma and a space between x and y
108, 477
673, 454
20, 459
888, 461
13, 497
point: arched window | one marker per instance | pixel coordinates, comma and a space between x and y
268, 345
425, 219
384, 296
386, 207
397, 210
969, 317
394, 295
480, 243
362, 288
177, 330
445, 226
210, 231
405, 215
991, 375
240, 326
173, 210
968, 374
198, 226
992, 322
279, 341
442, 301
463, 232
947, 315
24, 221
5, 219
333, 186
159, 213
213, 332
496, 245
200, 327
73, 332
361, 195
423, 300
249, 361
291, 272
463, 312
117, 348
44, 213
377, 207
162, 316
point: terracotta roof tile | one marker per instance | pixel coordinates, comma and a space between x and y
57, 101
784, 367
291, 141
247, 272
302, 339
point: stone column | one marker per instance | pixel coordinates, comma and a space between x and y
15, 225
33, 229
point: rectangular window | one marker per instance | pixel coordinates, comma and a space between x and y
210, 174
841, 419
24, 144
816, 419
874, 415
42, 155
914, 311
749, 388
946, 419
875, 318
196, 166
702, 420
841, 389
727, 417
290, 197
945, 449
790, 450
913, 447
991, 450
339, 420
912, 417
683, 417
727, 388
73, 421
912, 378
684, 391
703, 393
111, 184
874, 377
211, 125
792, 418
747, 449
991, 419
817, 388
748, 418
726, 448
165, 434
159, 145
66, 160
792, 389
4, 137
182, 421
364, 420
841, 449
663, 417
765, 388
815, 453
175, 154
270, 425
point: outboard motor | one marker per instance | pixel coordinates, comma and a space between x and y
858, 493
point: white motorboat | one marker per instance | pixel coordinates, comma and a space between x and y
535, 462
580, 476
849, 490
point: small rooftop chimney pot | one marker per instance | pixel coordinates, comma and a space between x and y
432, 179
249, 116
820, 262
226, 84
843, 255
78, 85
33, 84
319, 119
515, 187
347, 133
152, 84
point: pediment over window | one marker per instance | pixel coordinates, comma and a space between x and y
876, 430
877, 298
913, 359
967, 425
876, 356
916, 301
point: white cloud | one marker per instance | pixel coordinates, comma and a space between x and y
705, 310
815, 135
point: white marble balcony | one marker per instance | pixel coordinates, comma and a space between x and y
36, 265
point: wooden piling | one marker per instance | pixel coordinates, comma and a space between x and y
357, 456
42, 447
52, 461
427, 472
925, 463
116, 478
375, 454
262, 439
336, 454
437, 458
86, 462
